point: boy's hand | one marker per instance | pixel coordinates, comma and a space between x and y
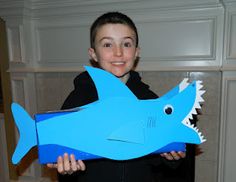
174, 155
67, 164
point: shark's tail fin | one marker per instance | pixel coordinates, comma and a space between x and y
27, 130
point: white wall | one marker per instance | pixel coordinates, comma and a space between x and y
175, 35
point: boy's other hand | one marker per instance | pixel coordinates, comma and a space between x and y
67, 164
174, 155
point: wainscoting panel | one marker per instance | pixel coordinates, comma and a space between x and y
228, 125
65, 44
16, 44
173, 39
230, 38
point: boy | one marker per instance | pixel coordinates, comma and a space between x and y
114, 48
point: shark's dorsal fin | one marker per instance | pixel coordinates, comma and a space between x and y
108, 85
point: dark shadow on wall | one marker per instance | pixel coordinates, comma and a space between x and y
6, 98
1, 99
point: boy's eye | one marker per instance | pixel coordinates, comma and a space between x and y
127, 44
107, 45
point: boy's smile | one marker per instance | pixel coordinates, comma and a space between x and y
115, 49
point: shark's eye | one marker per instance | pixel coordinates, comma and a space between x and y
168, 109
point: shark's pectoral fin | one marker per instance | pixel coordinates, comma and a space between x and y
131, 133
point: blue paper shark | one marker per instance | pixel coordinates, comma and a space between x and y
118, 126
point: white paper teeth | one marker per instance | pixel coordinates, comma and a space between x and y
201, 92
199, 85
196, 105
190, 116
200, 99
194, 111
187, 123
183, 84
202, 138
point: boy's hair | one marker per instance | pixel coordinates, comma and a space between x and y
111, 18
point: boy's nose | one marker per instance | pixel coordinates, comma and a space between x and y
118, 51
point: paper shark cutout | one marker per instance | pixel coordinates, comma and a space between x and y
118, 126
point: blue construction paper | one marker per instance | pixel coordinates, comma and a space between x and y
118, 126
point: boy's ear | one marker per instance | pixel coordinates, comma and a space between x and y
137, 52
92, 54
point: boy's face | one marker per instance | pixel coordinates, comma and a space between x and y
115, 49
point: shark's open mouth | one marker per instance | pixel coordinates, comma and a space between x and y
198, 99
